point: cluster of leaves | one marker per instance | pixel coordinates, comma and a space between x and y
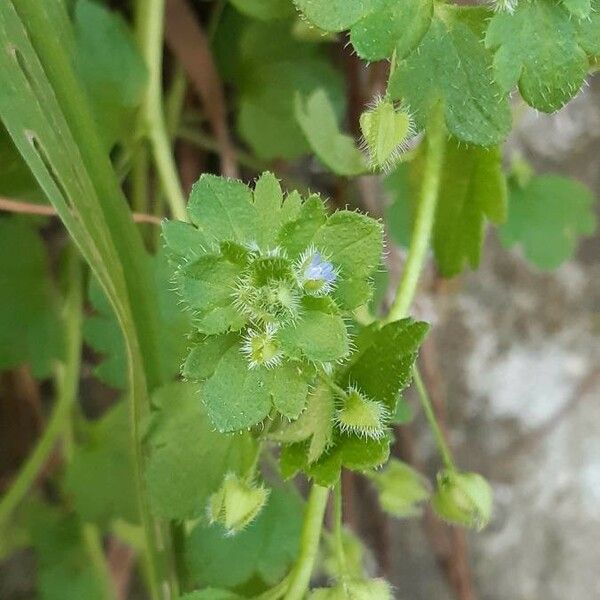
269, 288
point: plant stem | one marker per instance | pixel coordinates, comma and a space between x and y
423, 226
66, 378
431, 419
337, 524
309, 543
150, 26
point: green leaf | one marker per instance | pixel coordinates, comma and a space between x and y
17, 180
222, 209
472, 189
265, 9
206, 287
382, 365
580, 9
537, 47
399, 215
205, 355
316, 336
266, 118
297, 235
111, 68
547, 217
397, 25
264, 550
589, 31
102, 332
236, 396
63, 569
352, 241
187, 458
314, 424
452, 66
268, 199
100, 476
336, 150
30, 327
351, 452
183, 241
337, 15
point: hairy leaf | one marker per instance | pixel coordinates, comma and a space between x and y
397, 25
382, 365
317, 336
537, 47
314, 424
337, 15
451, 66
222, 209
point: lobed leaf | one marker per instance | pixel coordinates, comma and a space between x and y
537, 47
451, 66
547, 216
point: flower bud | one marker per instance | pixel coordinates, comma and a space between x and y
236, 503
386, 131
315, 275
362, 416
401, 489
463, 498
261, 348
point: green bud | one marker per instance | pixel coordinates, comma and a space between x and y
463, 498
362, 416
401, 489
355, 589
236, 503
261, 348
386, 131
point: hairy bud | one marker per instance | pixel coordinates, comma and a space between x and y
463, 498
236, 503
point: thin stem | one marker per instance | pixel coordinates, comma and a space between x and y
150, 22
432, 420
333, 386
337, 524
309, 543
423, 226
93, 546
67, 374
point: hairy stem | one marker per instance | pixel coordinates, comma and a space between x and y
445, 452
150, 26
423, 225
309, 543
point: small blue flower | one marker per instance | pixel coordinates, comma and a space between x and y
315, 274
